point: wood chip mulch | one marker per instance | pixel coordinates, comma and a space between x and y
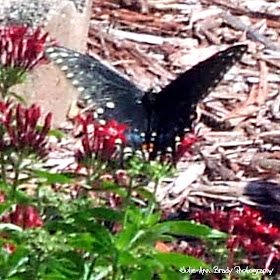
152, 41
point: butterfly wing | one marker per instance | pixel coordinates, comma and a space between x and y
174, 105
167, 114
113, 96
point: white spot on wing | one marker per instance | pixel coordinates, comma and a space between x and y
59, 60
127, 150
80, 89
230, 54
64, 68
100, 111
50, 50
70, 75
54, 55
118, 141
64, 54
110, 105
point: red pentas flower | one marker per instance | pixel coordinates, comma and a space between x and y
2, 197
248, 230
24, 216
114, 130
5, 116
6, 111
185, 145
21, 46
21, 129
9, 248
99, 141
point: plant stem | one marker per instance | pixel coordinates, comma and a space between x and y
16, 177
90, 269
115, 269
3, 170
156, 187
4, 92
129, 191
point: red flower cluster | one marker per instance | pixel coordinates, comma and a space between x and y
248, 230
9, 248
21, 46
20, 125
184, 147
99, 141
192, 249
24, 216
2, 197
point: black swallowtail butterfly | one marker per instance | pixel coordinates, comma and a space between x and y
151, 117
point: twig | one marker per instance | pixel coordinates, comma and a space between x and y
237, 24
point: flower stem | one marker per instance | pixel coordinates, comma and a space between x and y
3, 170
115, 267
129, 191
89, 276
16, 177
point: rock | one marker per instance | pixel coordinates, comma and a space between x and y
67, 22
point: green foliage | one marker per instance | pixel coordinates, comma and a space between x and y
83, 238
80, 235
51, 178
79, 241
10, 76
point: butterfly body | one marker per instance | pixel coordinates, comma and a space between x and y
151, 117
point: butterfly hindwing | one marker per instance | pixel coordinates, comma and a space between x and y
175, 104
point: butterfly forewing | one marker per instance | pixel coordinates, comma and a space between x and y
175, 104
110, 93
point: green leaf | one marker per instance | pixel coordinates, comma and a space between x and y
100, 272
17, 261
52, 178
113, 187
60, 226
97, 237
144, 193
179, 260
55, 276
19, 98
145, 272
168, 274
153, 219
10, 76
21, 197
65, 265
123, 239
56, 133
53, 132
134, 216
5, 206
4, 186
106, 214
189, 228
83, 241
125, 258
